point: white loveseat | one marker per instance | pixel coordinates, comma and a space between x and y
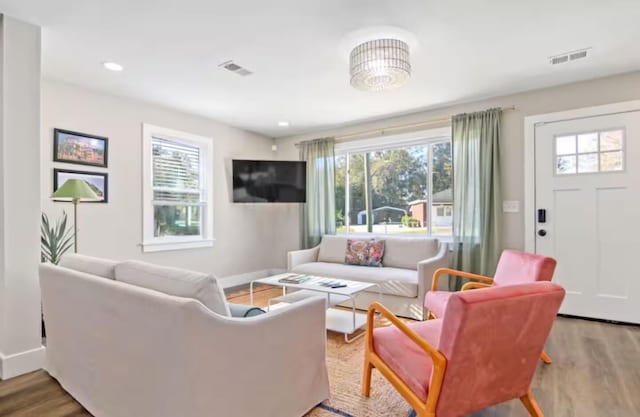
123, 350
405, 277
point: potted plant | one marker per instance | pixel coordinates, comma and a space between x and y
55, 240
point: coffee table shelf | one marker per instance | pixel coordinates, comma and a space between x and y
338, 319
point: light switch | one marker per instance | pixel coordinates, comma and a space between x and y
511, 206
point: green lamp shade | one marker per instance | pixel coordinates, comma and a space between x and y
77, 190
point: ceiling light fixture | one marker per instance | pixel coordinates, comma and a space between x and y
283, 124
112, 66
381, 64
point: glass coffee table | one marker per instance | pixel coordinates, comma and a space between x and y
335, 290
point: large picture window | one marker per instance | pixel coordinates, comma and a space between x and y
177, 190
401, 189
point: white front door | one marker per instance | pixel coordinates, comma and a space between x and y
587, 187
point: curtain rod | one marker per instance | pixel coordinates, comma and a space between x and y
383, 131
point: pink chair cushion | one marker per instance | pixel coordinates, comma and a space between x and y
492, 339
515, 267
436, 302
412, 364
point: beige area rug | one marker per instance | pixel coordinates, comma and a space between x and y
345, 376
344, 362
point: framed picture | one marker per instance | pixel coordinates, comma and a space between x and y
98, 181
80, 148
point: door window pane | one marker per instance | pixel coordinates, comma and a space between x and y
566, 165
611, 161
588, 142
611, 140
565, 145
588, 163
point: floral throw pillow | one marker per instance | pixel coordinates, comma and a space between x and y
364, 252
376, 251
357, 252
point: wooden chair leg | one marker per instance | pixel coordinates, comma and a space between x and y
531, 405
366, 378
545, 358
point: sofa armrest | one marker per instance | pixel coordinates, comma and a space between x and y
428, 267
243, 310
281, 353
304, 256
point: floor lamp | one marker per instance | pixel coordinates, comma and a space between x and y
75, 191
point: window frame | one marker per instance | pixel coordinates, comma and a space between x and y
427, 138
151, 243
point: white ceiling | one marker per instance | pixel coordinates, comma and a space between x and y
298, 49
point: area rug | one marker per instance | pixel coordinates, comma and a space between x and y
344, 362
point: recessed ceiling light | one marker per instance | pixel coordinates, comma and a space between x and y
283, 124
112, 66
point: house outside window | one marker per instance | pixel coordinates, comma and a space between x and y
177, 190
404, 183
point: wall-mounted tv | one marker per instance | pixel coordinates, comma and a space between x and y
269, 181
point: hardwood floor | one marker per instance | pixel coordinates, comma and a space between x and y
595, 373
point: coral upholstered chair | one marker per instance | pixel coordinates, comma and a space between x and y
514, 267
483, 351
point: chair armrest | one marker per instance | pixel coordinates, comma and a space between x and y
428, 267
304, 256
474, 285
454, 272
438, 359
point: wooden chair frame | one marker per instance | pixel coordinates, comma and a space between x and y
422, 408
486, 283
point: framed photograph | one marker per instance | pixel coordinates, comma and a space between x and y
98, 181
80, 148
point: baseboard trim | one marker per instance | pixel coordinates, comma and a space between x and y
242, 279
21, 363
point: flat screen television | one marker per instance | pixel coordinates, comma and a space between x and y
269, 181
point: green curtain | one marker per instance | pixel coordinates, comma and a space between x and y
319, 212
477, 193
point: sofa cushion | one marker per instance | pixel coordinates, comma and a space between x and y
406, 252
175, 281
332, 249
89, 265
392, 281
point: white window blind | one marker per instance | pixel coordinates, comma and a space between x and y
176, 172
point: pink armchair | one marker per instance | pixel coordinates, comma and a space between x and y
483, 351
514, 267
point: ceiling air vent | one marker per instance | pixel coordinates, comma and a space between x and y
569, 56
235, 68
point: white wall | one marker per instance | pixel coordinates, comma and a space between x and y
583, 94
248, 236
20, 338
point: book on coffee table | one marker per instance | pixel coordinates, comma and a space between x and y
294, 279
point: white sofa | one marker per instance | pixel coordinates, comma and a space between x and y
405, 277
123, 350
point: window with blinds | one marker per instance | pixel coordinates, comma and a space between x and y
177, 188
177, 196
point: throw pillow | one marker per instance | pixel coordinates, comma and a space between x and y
357, 252
376, 252
364, 252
